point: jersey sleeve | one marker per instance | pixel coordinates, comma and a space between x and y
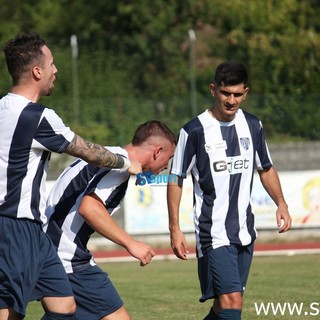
52, 134
262, 157
184, 155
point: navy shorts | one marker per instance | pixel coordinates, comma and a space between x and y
95, 295
224, 270
30, 268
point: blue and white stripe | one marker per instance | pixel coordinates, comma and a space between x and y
66, 227
222, 158
29, 133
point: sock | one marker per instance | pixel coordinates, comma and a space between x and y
211, 315
229, 314
58, 316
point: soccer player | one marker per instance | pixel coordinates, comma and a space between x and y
221, 148
29, 265
82, 201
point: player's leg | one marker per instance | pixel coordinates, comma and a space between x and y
211, 315
58, 308
219, 279
231, 300
244, 262
120, 314
9, 314
231, 304
19, 258
53, 287
229, 314
96, 296
206, 284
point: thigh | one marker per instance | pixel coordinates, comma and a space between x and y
219, 272
244, 261
19, 260
95, 295
60, 305
52, 278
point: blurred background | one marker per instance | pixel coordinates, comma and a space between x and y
124, 62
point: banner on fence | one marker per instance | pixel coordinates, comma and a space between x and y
145, 206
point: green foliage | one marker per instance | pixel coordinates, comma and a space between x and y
134, 59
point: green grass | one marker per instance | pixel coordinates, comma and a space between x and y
169, 289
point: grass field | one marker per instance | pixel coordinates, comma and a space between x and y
169, 290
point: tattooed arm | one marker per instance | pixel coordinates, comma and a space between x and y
101, 157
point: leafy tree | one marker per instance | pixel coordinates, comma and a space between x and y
134, 59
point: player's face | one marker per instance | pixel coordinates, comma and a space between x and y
49, 71
227, 100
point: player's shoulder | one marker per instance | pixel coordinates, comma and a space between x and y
249, 116
195, 124
117, 150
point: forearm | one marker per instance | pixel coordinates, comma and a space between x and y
95, 154
174, 193
177, 239
271, 182
113, 232
103, 224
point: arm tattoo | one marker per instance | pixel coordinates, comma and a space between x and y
94, 153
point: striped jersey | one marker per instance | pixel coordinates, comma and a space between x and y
68, 230
222, 157
29, 133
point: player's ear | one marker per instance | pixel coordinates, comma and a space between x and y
212, 88
36, 72
157, 151
246, 90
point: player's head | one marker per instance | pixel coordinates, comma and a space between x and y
231, 73
158, 142
229, 89
152, 128
22, 52
30, 61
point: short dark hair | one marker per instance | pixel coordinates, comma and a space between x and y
231, 73
21, 52
152, 128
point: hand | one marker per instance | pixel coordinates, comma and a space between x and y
179, 244
141, 251
135, 167
284, 219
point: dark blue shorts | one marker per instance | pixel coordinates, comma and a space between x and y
30, 268
95, 295
224, 270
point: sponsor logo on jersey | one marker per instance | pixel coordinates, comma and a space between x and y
221, 145
231, 165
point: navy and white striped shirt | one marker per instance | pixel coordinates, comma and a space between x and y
29, 133
221, 158
66, 227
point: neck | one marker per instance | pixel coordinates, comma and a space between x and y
26, 92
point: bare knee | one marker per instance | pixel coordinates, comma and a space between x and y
231, 300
